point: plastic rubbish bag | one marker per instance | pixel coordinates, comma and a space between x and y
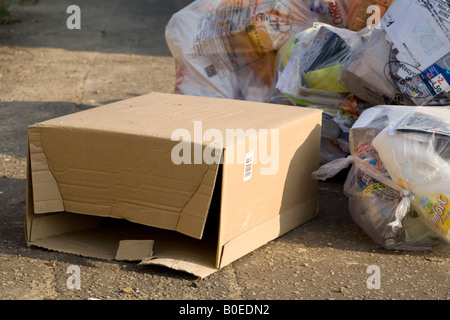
308, 73
398, 182
407, 60
227, 48
336, 124
420, 34
365, 73
308, 66
350, 14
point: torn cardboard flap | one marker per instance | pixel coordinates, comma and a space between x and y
103, 182
122, 176
142, 251
134, 250
190, 267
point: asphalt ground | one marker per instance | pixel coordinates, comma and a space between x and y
47, 70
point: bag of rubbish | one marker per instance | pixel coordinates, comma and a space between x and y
397, 185
350, 14
227, 48
407, 60
308, 66
336, 124
365, 73
308, 74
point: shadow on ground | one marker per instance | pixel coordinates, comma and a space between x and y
15, 117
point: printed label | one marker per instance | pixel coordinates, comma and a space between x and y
438, 76
337, 15
248, 166
439, 84
424, 37
435, 208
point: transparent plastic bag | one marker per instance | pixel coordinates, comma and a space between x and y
366, 72
398, 182
407, 60
308, 72
227, 48
308, 66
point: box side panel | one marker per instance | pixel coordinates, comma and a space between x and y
267, 231
294, 151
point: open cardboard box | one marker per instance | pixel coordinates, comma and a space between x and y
105, 183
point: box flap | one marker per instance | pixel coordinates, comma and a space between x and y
46, 195
117, 175
113, 239
134, 250
175, 263
196, 257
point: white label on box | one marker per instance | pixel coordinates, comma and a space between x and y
248, 166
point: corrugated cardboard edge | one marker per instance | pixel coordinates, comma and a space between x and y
192, 221
198, 270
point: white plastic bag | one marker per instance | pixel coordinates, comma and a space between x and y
398, 184
406, 61
227, 48
308, 66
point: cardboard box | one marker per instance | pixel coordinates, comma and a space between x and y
105, 182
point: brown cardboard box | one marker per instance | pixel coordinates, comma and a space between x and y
105, 182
